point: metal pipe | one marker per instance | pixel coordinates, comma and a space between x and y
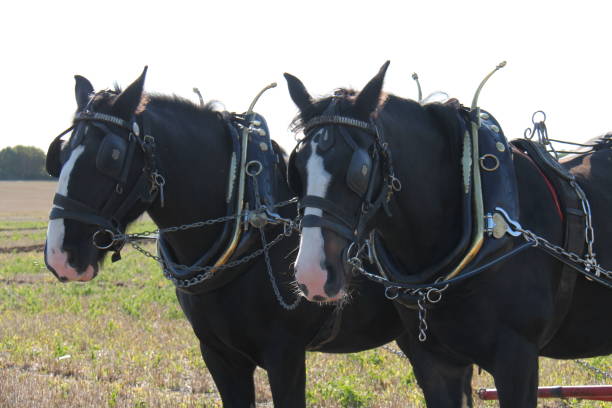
478, 238
416, 78
587, 392
237, 232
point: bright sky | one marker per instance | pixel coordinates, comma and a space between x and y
559, 56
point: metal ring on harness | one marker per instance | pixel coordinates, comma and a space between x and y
391, 292
533, 117
252, 172
350, 248
489, 156
396, 185
434, 295
104, 231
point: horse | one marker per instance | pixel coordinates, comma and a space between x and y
171, 158
401, 170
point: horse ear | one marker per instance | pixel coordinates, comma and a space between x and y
298, 92
368, 98
128, 101
82, 91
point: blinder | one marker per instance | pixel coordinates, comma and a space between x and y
53, 163
358, 172
114, 159
111, 157
363, 169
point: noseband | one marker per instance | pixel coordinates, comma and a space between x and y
362, 172
114, 159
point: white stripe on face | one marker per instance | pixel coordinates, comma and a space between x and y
311, 255
56, 230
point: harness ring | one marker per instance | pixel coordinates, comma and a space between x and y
253, 172
391, 292
106, 231
396, 185
434, 295
489, 156
533, 117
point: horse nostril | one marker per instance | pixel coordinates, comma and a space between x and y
331, 287
70, 257
303, 288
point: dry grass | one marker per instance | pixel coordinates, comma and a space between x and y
122, 341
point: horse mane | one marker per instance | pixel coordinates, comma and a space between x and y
602, 142
319, 106
183, 104
165, 102
345, 99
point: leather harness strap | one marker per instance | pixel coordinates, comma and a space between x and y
573, 239
551, 189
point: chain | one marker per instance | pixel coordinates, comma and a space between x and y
394, 351
422, 319
207, 271
587, 263
427, 295
594, 369
277, 293
589, 232
200, 224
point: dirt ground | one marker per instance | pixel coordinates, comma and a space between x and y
26, 198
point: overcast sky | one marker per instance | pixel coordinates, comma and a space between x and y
559, 56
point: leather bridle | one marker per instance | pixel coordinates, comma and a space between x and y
110, 218
369, 163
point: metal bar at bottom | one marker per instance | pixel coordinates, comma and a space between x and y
588, 392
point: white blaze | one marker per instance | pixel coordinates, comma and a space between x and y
311, 255
56, 230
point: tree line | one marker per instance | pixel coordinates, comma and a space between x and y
23, 163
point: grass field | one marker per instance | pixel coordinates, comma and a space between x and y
121, 340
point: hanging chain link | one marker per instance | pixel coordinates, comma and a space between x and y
262, 233
594, 369
427, 295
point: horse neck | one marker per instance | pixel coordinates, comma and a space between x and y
193, 154
426, 214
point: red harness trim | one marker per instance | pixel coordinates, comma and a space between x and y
551, 188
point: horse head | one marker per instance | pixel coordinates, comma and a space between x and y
348, 184
102, 170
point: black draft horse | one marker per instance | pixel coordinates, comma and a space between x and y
496, 319
240, 325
